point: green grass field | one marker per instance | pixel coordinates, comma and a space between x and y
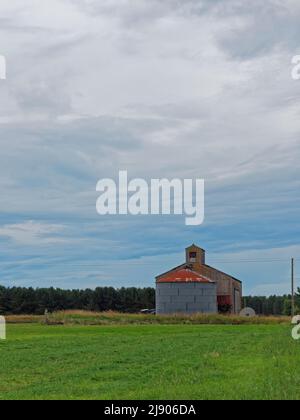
150, 362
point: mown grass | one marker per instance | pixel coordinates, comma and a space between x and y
115, 318
150, 362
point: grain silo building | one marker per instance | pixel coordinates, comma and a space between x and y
195, 287
185, 291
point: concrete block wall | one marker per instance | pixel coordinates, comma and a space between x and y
186, 298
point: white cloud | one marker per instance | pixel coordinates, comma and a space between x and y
176, 89
33, 233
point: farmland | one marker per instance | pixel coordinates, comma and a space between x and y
152, 361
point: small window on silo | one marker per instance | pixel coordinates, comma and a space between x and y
193, 257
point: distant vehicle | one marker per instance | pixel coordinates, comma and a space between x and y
148, 312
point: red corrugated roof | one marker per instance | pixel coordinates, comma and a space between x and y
184, 275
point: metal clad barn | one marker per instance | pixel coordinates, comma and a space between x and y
197, 287
185, 291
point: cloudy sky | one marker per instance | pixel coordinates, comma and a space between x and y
161, 88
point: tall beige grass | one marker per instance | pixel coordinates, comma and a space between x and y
106, 318
23, 319
80, 317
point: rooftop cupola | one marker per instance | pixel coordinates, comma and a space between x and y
195, 255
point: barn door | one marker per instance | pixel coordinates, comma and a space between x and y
237, 301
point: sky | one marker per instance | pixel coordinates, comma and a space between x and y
193, 89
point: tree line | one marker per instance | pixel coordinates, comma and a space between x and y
21, 301
272, 305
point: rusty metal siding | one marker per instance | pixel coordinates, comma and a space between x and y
226, 285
